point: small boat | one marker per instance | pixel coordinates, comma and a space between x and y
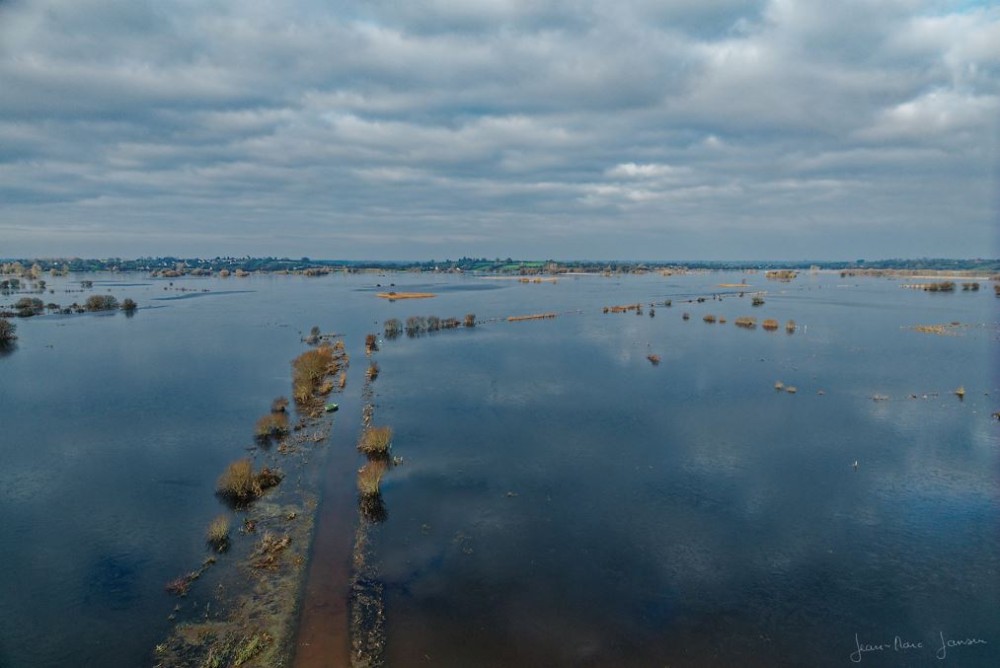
331, 408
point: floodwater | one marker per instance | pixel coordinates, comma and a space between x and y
561, 501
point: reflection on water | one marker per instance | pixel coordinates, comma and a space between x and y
564, 502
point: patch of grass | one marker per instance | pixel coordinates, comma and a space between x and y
371, 344
654, 359
279, 405
470, 318
745, 322
770, 325
372, 373
370, 477
218, 533
375, 441
710, 319
239, 484
790, 326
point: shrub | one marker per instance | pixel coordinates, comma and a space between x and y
415, 325
470, 318
218, 533
29, 306
128, 305
237, 482
375, 441
433, 323
790, 326
371, 344
370, 477
272, 425
100, 303
709, 318
7, 329
239, 485
393, 328
757, 301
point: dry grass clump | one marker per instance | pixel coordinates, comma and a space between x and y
790, 326
791, 389
781, 274
770, 324
372, 373
778, 385
745, 322
279, 405
370, 477
535, 316
218, 533
623, 308
393, 296
470, 318
654, 359
375, 441
310, 370
960, 392
416, 325
710, 319
267, 556
943, 286
272, 425
974, 287
371, 344
240, 485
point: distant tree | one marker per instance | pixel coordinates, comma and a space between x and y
7, 329
100, 303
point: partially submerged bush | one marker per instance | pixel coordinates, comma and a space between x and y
470, 318
710, 319
218, 533
371, 344
7, 329
100, 303
129, 305
770, 324
239, 484
370, 477
375, 441
272, 425
393, 328
745, 322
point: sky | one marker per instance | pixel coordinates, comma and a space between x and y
537, 129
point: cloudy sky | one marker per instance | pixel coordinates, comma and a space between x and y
651, 129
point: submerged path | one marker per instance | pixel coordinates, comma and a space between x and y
323, 639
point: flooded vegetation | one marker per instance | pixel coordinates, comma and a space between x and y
606, 502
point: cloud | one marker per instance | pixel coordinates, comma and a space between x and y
493, 127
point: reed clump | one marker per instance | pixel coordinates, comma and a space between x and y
240, 485
7, 329
371, 344
279, 405
770, 324
470, 318
781, 275
654, 359
370, 478
790, 326
217, 534
960, 392
942, 286
310, 371
375, 442
710, 319
372, 373
973, 287
745, 322
757, 300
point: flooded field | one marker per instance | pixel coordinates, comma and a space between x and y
757, 495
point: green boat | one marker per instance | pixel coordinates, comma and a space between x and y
331, 408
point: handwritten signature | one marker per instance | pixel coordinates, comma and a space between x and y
899, 644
